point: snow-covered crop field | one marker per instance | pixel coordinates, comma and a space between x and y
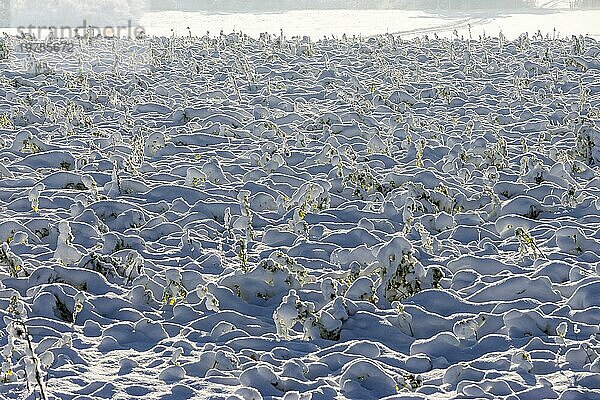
237, 218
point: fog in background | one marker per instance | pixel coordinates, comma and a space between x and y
277, 5
311, 17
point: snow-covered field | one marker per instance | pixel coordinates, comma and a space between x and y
233, 218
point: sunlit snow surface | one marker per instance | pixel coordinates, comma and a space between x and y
277, 218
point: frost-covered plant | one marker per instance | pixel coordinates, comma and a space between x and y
497, 154
65, 252
271, 276
132, 266
291, 311
205, 292
410, 382
34, 196
4, 50
104, 264
154, 142
376, 145
227, 220
527, 245
80, 298
242, 253
429, 242
213, 171
39, 67
532, 170
420, 147
137, 144
176, 355
578, 45
298, 226
5, 122
521, 360
588, 144
329, 289
326, 324
244, 222
561, 332
364, 182
194, 177
20, 347
17, 310
467, 329
190, 245
329, 320
401, 273
114, 187
174, 290
572, 240
403, 320
12, 261
417, 199
90, 183
311, 196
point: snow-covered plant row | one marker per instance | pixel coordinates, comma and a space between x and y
279, 218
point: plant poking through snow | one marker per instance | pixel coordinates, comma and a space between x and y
309, 197
206, 292
402, 275
154, 143
467, 329
194, 177
588, 144
420, 146
20, 344
176, 355
131, 267
65, 252
4, 50
527, 245
404, 319
244, 222
89, 182
114, 188
79, 300
366, 183
410, 382
242, 253
174, 290
34, 196
326, 324
16, 309
521, 360
290, 311
561, 332
270, 277
12, 261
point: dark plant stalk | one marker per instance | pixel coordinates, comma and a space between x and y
38, 376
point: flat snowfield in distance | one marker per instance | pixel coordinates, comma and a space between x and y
407, 24
241, 218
